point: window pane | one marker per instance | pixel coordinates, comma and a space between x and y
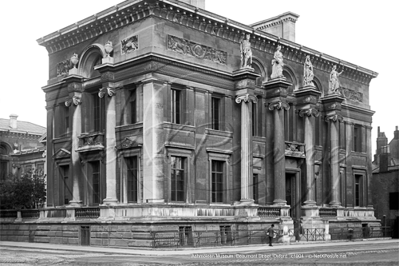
217, 181
132, 169
215, 113
178, 172
176, 106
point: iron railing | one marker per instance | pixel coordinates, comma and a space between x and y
30, 213
269, 211
327, 212
313, 234
8, 214
87, 212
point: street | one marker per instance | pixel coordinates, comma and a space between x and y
348, 253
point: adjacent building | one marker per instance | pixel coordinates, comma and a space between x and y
164, 116
385, 181
22, 147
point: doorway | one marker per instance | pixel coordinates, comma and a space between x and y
291, 194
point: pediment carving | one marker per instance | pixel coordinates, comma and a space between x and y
128, 142
62, 154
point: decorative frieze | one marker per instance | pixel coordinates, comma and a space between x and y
63, 67
294, 149
351, 94
129, 44
96, 139
187, 47
128, 142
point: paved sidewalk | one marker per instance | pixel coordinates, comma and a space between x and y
189, 251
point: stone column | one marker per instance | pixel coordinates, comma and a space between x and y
110, 138
309, 115
75, 103
246, 144
153, 158
279, 151
334, 161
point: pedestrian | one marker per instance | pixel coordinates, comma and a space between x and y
270, 233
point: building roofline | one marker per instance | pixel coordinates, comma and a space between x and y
72, 34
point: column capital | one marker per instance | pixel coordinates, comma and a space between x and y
348, 123
309, 112
334, 118
246, 98
107, 90
279, 105
76, 100
368, 127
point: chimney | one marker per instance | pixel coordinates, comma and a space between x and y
382, 141
196, 3
384, 159
13, 121
282, 26
396, 133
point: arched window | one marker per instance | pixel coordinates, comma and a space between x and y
90, 58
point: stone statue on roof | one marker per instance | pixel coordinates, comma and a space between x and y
333, 84
246, 52
308, 73
277, 64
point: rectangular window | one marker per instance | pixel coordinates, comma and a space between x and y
394, 201
95, 167
67, 189
217, 181
133, 107
225, 235
358, 190
254, 119
255, 188
132, 170
178, 172
215, 113
357, 138
176, 106
96, 112
3, 170
186, 236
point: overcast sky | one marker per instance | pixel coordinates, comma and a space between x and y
361, 32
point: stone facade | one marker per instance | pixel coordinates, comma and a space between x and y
166, 126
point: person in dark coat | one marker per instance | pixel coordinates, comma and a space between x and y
270, 233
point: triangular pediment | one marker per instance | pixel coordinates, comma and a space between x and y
61, 154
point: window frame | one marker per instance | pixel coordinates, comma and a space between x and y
225, 157
176, 114
122, 157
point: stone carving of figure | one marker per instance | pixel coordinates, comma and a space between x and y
308, 73
277, 64
334, 81
246, 52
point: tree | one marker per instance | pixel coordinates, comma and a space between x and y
26, 192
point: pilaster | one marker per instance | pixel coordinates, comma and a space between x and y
245, 82
110, 137
276, 93
332, 107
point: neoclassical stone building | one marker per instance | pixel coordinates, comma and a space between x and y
162, 115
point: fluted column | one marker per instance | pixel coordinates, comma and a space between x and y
246, 144
110, 146
309, 115
75, 102
334, 161
279, 152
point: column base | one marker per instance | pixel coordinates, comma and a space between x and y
279, 202
335, 204
109, 201
310, 203
75, 203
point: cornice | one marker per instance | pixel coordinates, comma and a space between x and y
357, 109
131, 11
